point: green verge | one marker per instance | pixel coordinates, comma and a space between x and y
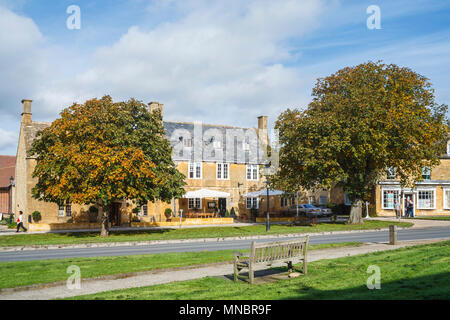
419, 272
186, 233
431, 218
16, 274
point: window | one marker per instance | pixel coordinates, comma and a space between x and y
448, 148
347, 200
252, 172
426, 199
323, 200
426, 173
389, 198
284, 202
390, 173
195, 170
145, 210
223, 171
61, 210
252, 203
187, 142
195, 203
68, 211
446, 199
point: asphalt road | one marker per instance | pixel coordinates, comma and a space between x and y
365, 237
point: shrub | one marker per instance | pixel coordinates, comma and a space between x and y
135, 210
168, 213
36, 216
227, 214
233, 212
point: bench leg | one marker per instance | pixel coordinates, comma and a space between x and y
251, 275
305, 268
289, 266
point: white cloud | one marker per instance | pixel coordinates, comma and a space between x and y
8, 139
221, 59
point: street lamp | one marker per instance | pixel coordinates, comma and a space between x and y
267, 187
11, 185
367, 210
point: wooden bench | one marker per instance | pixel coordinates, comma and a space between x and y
269, 253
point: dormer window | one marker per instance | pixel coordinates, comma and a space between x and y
426, 173
390, 173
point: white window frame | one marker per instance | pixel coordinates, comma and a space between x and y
194, 166
391, 173
223, 171
252, 201
444, 190
423, 170
144, 210
61, 210
68, 210
253, 168
382, 198
448, 148
434, 198
194, 206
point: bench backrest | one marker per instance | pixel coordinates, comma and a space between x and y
282, 250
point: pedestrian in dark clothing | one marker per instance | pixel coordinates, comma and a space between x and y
20, 222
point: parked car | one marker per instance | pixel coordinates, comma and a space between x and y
327, 212
307, 210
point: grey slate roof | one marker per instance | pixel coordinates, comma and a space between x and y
172, 129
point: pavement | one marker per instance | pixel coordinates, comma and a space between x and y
91, 286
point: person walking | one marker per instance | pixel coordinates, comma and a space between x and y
397, 209
409, 207
20, 222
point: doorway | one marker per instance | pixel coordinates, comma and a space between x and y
115, 214
222, 206
405, 204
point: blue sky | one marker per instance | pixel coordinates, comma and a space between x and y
212, 61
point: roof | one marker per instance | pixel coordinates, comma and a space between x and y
7, 170
173, 134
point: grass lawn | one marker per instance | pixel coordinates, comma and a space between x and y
432, 218
186, 233
15, 274
419, 272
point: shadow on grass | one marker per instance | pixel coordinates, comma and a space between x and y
431, 287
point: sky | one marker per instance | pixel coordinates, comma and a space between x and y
220, 62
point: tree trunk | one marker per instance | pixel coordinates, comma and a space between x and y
356, 213
105, 222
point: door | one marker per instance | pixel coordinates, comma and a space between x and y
222, 206
405, 204
114, 215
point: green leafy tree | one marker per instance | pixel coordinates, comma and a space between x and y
361, 121
101, 152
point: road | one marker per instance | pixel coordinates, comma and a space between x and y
365, 237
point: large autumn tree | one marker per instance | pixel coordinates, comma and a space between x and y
361, 121
101, 152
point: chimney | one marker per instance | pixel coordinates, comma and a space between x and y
262, 122
156, 106
26, 111
262, 129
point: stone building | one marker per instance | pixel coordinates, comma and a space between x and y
7, 176
229, 177
430, 197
